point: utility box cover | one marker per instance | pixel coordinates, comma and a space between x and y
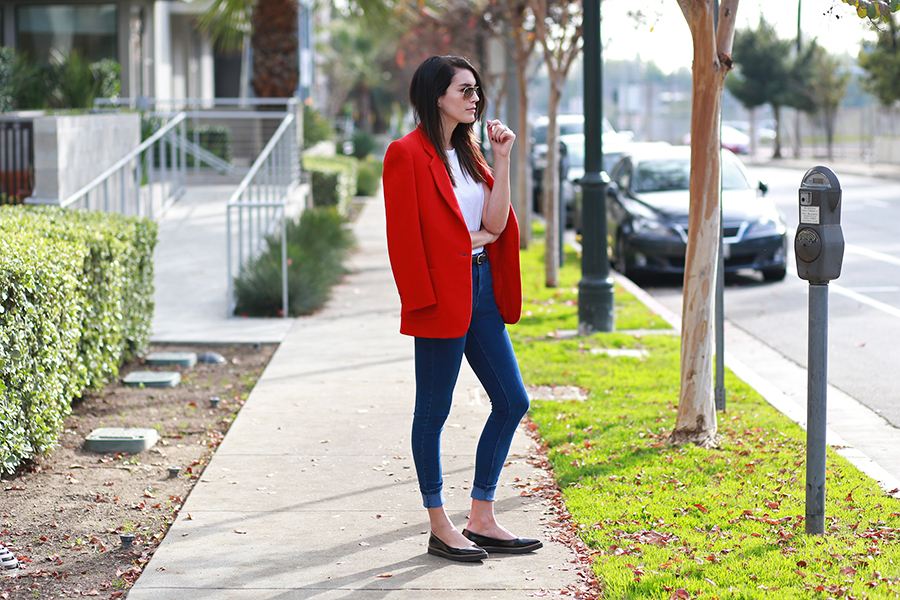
165, 359
152, 379
120, 439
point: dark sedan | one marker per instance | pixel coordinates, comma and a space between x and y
647, 215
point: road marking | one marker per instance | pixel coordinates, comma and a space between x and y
854, 249
854, 295
848, 293
878, 290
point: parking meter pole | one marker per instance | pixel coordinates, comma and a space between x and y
595, 290
816, 405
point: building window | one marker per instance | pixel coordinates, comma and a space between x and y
89, 29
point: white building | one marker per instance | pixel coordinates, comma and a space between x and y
160, 52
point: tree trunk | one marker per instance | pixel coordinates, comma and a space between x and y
696, 421
276, 69
777, 111
830, 116
551, 194
523, 173
754, 137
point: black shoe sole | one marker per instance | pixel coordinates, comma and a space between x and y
457, 557
516, 546
512, 550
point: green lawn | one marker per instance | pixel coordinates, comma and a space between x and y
684, 522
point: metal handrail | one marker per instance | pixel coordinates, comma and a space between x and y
271, 170
147, 102
263, 157
203, 155
134, 156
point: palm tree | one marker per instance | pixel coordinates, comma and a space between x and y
271, 26
274, 40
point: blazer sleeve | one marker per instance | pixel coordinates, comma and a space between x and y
507, 278
406, 248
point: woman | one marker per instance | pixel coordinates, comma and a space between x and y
453, 242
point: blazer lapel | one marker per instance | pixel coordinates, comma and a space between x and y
441, 178
443, 183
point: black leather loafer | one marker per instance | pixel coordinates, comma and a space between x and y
468, 554
516, 546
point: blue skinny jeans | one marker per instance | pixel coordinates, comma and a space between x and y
489, 352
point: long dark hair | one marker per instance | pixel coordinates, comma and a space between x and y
431, 81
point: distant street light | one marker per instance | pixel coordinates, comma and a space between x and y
595, 290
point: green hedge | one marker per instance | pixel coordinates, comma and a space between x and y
316, 128
76, 300
369, 179
333, 180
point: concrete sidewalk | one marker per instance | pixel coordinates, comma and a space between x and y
313, 494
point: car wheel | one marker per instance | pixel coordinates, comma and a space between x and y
776, 274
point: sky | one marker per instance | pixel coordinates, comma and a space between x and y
666, 40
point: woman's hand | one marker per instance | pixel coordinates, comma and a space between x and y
501, 138
482, 237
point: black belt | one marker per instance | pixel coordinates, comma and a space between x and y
480, 258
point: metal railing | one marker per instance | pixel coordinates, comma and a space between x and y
144, 182
258, 208
16, 158
241, 125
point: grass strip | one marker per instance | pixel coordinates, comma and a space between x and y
684, 522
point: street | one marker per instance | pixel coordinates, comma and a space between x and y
864, 303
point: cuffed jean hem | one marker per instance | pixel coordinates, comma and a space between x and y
433, 500
479, 493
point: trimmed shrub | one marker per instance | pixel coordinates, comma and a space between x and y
76, 299
333, 180
318, 244
315, 128
40, 318
363, 144
369, 177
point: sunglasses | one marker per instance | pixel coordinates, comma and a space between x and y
468, 91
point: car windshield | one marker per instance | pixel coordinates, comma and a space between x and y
669, 174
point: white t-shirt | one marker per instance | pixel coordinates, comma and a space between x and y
469, 194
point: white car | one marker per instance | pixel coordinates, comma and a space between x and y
732, 139
569, 124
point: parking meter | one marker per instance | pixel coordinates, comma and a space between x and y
819, 246
819, 241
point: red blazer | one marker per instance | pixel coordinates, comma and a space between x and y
430, 247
